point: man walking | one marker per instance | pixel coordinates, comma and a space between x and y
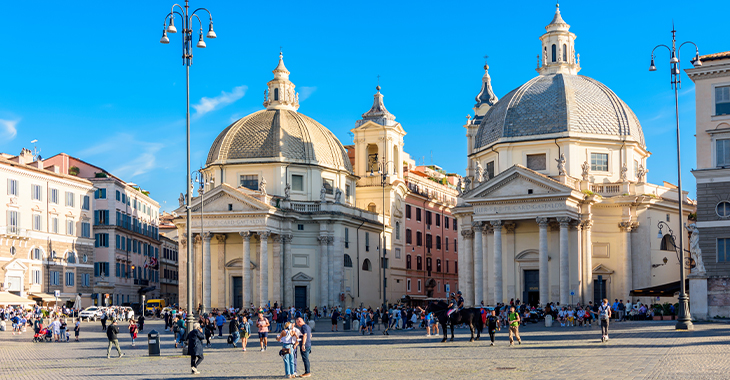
514, 326
493, 325
604, 314
219, 321
306, 344
111, 333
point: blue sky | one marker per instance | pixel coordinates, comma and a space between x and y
91, 79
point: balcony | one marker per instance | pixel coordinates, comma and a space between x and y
606, 189
13, 231
141, 282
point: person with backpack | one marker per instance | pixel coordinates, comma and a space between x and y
233, 328
514, 325
604, 314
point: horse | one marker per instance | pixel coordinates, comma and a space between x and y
471, 317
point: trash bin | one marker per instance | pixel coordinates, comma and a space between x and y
153, 343
548, 320
346, 324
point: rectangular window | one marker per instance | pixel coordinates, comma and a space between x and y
408, 262
250, 182
429, 241
408, 211
636, 168
722, 100
419, 238
409, 236
12, 187
446, 243
438, 220
54, 196
36, 277
490, 170
70, 227
329, 186
722, 147
723, 250
429, 219
446, 222
102, 240
124, 198
599, 162
297, 182
101, 217
69, 199
408, 285
397, 253
13, 221
37, 254
419, 286
87, 279
37, 222
69, 278
438, 242
454, 228
418, 214
100, 194
367, 241
447, 266
536, 161
119, 195
85, 229
347, 237
118, 240
85, 202
36, 192
118, 270
55, 278
348, 191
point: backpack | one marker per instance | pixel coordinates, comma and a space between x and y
603, 312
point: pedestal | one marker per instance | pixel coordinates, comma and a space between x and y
698, 296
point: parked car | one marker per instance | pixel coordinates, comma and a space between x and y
91, 312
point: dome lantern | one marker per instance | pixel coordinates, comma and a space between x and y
558, 48
281, 94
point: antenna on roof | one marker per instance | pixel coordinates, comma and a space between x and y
352, 136
36, 151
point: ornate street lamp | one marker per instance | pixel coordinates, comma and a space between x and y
202, 182
186, 17
383, 173
684, 320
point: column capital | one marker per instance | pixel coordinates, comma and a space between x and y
478, 226
626, 226
322, 239
330, 240
197, 239
564, 221
207, 237
510, 226
287, 238
184, 242
221, 238
263, 235
467, 234
246, 235
542, 222
587, 224
497, 223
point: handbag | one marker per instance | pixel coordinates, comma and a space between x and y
284, 351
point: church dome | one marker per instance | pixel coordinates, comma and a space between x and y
279, 135
558, 103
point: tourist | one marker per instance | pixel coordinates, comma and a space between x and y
233, 328
103, 320
62, 330
288, 341
219, 321
604, 314
55, 327
493, 325
208, 330
514, 326
195, 347
570, 317
263, 326
335, 316
179, 329
305, 345
132, 330
621, 310
386, 322
77, 328
111, 334
246, 331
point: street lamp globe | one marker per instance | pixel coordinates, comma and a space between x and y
201, 43
697, 62
172, 29
651, 66
164, 39
211, 33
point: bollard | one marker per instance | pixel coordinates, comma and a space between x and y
548, 320
153, 343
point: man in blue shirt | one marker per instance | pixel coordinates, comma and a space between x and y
219, 321
305, 344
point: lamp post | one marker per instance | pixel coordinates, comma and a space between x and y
383, 172
684, 320
186, 17
202, 182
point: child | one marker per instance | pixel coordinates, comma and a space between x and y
77, 328
132, 330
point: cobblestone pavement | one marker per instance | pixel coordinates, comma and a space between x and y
636, 350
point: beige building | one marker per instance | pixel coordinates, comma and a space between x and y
557, 208
710, 289
46, 236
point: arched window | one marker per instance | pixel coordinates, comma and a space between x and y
372, 207
419, 263
438, 265
37, 254
276, 90
408, 261
12, 251
71, 258
428, 264
565, 53
667, 243
555, 53
366, 265
348, 261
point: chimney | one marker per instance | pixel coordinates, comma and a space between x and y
25, 157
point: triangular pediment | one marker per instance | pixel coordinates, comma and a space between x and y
371, 125
602, 270
15, 264
236, 264
518, 181
301, 276
219, 198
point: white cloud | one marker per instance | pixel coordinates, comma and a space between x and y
10, 128
225, 98
305, 92
139, 157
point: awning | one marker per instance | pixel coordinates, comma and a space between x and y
9, 299
45, 297
665, 290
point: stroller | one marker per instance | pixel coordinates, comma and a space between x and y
45, 335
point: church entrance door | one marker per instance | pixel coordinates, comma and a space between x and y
237, 292
300, 297
532, 287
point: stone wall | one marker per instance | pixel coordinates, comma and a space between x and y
718, 296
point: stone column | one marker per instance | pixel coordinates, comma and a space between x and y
288, 289
628, 282
460, 250
182, 284
264, 268
578, 247
478, 263
323, 272
207, 278
485, 264
543, 255
222, 288
278, 266
246, 269
497, 225
564, 261
587, 262
467, 287
331, 271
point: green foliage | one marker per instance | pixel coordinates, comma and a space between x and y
74, 170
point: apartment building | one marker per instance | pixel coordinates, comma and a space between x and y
46, 241
126, 235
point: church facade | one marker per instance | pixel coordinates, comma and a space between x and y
556, 207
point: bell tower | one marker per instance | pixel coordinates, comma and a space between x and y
558, 48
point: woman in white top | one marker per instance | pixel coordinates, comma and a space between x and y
288, 338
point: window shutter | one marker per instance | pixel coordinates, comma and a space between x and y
106, 269
96, 269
